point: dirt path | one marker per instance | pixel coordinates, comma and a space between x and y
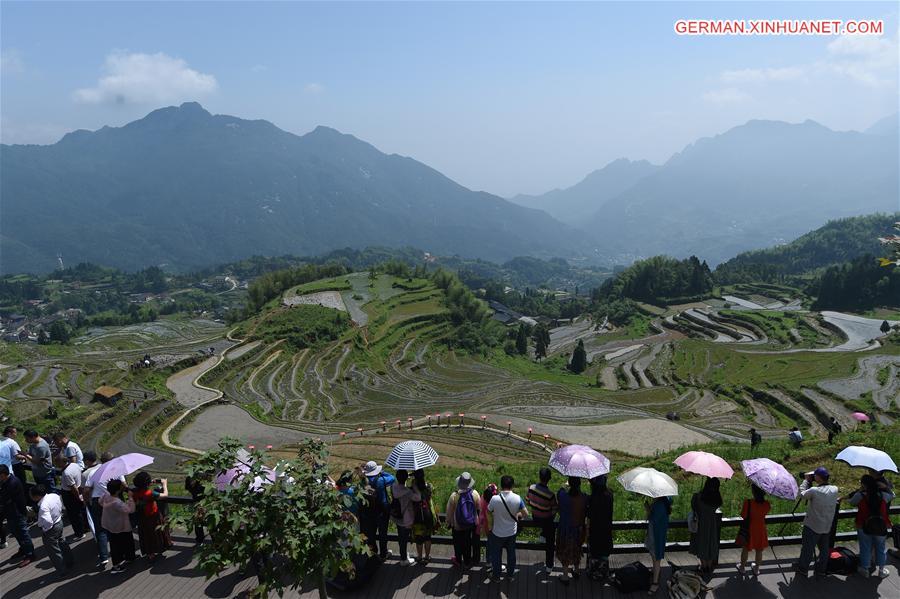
217, 421
182, 384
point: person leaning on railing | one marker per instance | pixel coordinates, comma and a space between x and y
658, 512
463, 511
872, 524
822, 500
544, 506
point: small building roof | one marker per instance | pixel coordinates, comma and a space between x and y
107, 391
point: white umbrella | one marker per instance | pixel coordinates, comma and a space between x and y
649, 482
875, 459
411, 455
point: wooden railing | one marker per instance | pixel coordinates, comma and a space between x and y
778, 521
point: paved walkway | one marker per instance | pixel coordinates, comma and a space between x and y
176, 577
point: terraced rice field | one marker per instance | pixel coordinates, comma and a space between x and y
718, 371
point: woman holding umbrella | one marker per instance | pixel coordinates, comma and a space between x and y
570, 532
574, 461
658, 512
872, 525
753, 534
660, 488
705, 542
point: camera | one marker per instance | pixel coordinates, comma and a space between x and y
157, 481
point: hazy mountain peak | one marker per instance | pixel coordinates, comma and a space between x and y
188, 188
573, 204
889, 125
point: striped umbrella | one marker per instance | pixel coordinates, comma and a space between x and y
411, 455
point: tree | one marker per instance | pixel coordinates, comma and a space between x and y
541, 341
522, 340
60, 332
579, 358
293, 529
885, 327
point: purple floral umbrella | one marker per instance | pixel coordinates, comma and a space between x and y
771, 477
579, 460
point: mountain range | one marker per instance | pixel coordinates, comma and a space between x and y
185, 188
571, 204
759, 184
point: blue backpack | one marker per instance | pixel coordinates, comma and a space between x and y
466, 516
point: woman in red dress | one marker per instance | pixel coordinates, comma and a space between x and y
153, 531
754, 513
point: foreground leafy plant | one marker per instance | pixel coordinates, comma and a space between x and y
289, 523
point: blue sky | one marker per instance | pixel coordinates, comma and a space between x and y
505, 97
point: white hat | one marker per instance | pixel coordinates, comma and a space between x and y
371, 468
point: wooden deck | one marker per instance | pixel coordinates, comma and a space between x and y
176, 577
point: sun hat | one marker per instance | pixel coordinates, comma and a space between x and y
465, 481
371, 468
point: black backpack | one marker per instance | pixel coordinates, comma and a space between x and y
842, 561
874, 524
396, 510
633, 577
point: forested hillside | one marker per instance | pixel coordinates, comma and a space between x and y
837, 242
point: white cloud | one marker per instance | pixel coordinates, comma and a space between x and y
259, 68
868, 59
146, 79
314, 88
761, 75
11, 61
728, 95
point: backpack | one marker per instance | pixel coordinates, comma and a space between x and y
842, 561
598, 569
422, 512
396, 510
874, 524
466, 515
633, 577
376, 505
685, 584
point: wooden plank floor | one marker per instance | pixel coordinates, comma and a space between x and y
176, 577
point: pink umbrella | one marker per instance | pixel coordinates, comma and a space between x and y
707, 464
859, 417
120, 466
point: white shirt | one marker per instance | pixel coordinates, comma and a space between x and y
8, 450
49, 511
822, 502
71, 477
504, 524
72, 449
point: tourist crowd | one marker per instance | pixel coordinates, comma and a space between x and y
485, 522
63, 485
577, 514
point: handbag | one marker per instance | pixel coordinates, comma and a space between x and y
743, 535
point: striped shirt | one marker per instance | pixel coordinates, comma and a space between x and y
541, 500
